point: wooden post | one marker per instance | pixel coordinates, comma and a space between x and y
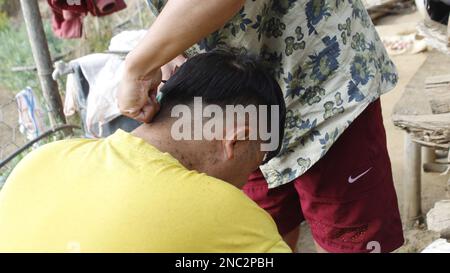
412, 181
429, 161
41, 55
428, 155
448, 33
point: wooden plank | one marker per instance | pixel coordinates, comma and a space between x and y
439, 79
448, 32
412, 101
436, 147
381, 8
370, 4
437, 90
436, 35
430, 128
430, 121
425, 122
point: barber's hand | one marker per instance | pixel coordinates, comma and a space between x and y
136, 96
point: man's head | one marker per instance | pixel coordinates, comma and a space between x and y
225, 114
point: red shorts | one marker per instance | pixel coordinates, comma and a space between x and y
347, 197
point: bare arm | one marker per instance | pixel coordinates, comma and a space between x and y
181, 24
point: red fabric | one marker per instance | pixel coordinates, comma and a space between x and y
105, 7
67, 19
348, 208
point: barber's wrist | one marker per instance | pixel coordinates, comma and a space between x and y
136, 69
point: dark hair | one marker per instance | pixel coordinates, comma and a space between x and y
223, 77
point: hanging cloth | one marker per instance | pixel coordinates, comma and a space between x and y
67, 18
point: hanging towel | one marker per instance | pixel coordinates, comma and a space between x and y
31, 115
103, 73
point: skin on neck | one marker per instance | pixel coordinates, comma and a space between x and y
158, 135
231, 161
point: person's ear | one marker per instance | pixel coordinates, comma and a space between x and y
232, 138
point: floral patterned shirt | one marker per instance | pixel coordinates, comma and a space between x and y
329, 61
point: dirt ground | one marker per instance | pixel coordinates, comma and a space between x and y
433, 185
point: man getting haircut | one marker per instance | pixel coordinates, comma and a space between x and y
144, 191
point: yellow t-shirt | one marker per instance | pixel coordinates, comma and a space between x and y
121, 194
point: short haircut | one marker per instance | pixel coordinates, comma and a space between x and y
223, 77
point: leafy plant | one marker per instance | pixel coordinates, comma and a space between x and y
15, 51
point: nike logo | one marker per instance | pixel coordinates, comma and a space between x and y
353, 180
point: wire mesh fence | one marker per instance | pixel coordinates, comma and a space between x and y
16, 56
10, 137
14, 145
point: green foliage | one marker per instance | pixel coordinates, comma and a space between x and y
4, 20
98, 33
15, 51
5, 172
3, 16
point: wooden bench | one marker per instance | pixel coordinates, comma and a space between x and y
424, 130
